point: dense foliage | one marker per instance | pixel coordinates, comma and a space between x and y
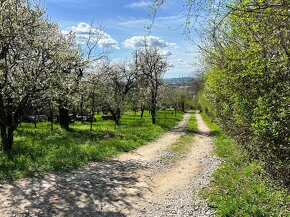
241, 187
247, 82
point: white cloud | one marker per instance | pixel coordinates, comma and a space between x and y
81, 28
167, 53
161, 23
84, 32
138, 41
180, 60
140, 4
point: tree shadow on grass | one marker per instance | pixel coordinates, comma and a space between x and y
102, 189
36, 151
71, 133
215, 133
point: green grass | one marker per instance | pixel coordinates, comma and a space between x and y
177, 149
191, 126
39, 150
240, 186
183, 144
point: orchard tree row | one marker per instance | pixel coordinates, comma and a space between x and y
43, 69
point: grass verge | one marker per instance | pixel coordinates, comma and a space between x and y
240, 186
182, 145
191, 125
177, 149
39, 150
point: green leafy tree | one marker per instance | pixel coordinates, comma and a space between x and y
247, 84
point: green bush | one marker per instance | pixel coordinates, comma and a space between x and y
241, 187
247, 84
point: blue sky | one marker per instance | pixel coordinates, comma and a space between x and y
124, 26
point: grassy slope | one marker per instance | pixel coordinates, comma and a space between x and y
39, 150
241, 187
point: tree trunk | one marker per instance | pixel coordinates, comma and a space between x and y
82, 110
10, 138
51, 121
92, 111
153, 105
7, 125
63, 117
7, 138
35, 118
142, 112
4, 138
117, 122
183, 106
2, 122
9, 120
116, 116
153, 115
91, 127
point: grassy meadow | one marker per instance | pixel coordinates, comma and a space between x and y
38, 150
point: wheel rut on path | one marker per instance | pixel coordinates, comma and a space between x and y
131, 184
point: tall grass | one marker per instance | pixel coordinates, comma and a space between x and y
39, 150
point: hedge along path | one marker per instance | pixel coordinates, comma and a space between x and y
124, 186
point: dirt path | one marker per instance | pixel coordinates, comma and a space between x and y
132, 184
152, 151
172, 189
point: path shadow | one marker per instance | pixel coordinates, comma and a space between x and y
210, 133
202, 133
101, 189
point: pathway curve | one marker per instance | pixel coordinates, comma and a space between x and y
132, 184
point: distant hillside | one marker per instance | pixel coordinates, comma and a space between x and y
178, 80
